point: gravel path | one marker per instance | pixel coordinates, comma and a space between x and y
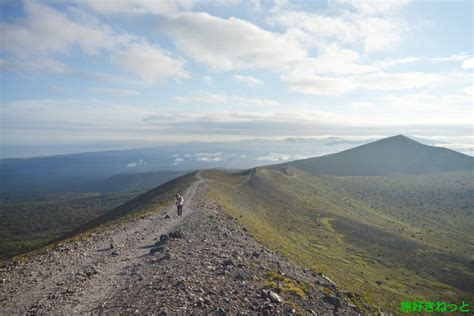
212, 266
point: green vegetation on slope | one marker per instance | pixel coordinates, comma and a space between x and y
31, 221
387, 238
141, 206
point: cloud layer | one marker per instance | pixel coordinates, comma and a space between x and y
130, 68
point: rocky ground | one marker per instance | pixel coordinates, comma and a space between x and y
201, 263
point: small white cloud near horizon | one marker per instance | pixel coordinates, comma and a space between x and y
209, 157
137, 164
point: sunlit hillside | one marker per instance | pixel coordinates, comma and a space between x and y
387, 238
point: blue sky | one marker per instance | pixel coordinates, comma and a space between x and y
152, 71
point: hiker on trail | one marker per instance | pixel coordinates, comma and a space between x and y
179, 204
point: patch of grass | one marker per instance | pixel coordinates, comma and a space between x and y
326, 290
283, 284
385, 238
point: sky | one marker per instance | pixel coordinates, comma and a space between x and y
85, 71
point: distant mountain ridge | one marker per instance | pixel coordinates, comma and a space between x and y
82, 171
397, 154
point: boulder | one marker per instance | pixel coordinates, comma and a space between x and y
273, 297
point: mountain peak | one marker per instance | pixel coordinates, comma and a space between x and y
396, 154
399, 139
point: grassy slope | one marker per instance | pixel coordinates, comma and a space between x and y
140, 206
386, 238
31, 221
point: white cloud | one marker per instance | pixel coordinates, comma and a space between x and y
202, 97
46, 30
154, 7
250, 123
398, 80
455, 57
137, 7
137, 164
208, 79
423, 109
277, 157
374, 7
325, 53
468, 63
279, 5
309, 83
334, 60
381, 34
150, 63
123, 92
247, 79
38, 65
74, 120
373, 32
227, 44
362, 105
67, 114
387, 63
314, 28
246, 101
209, 157
216, 98
456, 146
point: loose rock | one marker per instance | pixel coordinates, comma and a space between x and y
176, 234
274, 298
